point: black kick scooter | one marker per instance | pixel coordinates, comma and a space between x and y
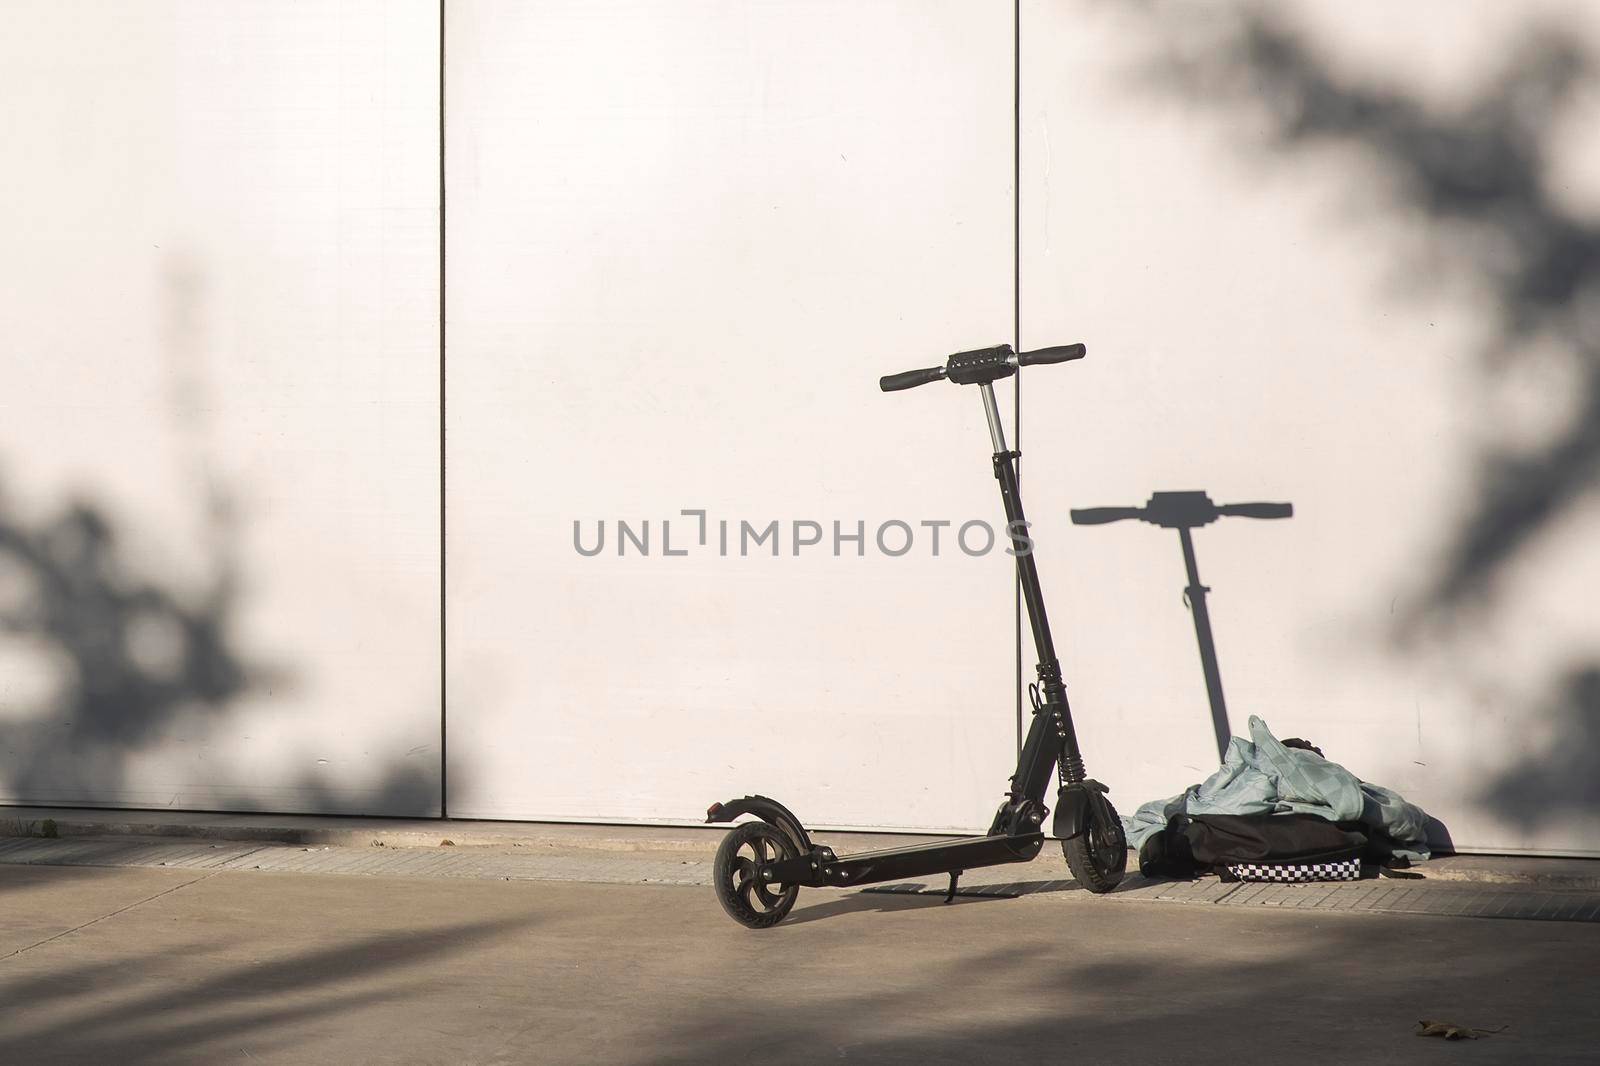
762, 864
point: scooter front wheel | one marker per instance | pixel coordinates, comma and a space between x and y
1098, 856
746, 899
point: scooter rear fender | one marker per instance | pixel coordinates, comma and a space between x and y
768, 810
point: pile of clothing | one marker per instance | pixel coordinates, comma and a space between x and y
1277, 810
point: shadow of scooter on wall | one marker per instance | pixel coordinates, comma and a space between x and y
1185, 511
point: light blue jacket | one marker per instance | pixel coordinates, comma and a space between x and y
1261, 776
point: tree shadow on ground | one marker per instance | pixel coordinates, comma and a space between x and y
1273, 987
173, 1019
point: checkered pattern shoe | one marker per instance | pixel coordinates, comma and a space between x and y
1292, 872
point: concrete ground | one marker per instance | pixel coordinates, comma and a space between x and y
148, 965
689, 843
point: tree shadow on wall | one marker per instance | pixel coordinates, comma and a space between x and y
125, 656
132, 662
107, 660
1560, 777
407, 787
1477, 177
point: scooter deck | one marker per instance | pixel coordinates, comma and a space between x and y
822, 867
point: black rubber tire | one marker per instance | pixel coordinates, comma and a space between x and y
751, 905
1098, 858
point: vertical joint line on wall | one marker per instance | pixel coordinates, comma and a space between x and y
1016, 303
444, 767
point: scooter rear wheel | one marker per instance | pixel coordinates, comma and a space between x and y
748, 901
1098, 856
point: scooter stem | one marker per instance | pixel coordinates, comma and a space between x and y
992, 411
1051, 738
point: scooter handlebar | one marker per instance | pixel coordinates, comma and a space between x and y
1257, 510
981, 365
1061, 353
910, 379
1099, 516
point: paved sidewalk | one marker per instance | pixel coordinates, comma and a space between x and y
178, 966
682, 842
1046, 875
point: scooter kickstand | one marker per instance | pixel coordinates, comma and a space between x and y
954, 874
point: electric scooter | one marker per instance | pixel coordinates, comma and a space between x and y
761, 865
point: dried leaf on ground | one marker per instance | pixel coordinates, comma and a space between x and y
1449, 1031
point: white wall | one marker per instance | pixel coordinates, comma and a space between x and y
219, 562
1351, 263
1302, 297
684, 242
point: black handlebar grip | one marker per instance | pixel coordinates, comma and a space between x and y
1099, 516
1257, 510
910, 379
1062, 353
